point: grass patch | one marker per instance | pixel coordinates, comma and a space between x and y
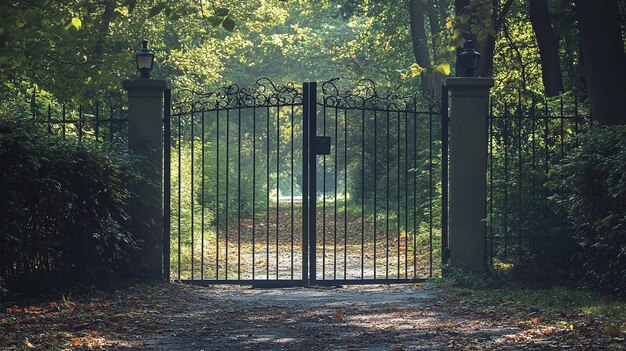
504, 289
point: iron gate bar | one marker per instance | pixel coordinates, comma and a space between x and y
398, 214
323, 202
192, 212
363, 195
444, 174
506, 179
267, 203
312, 120
292, 180
202, 200
238, 193
167, 178
254, 192
387, 200
491, 221
345, 195
534, 146
406, 195
179, 190
415, 191
277, 180
217, 194
375, 187
305, 182
335, 207
430, 181
519, 174
227, 231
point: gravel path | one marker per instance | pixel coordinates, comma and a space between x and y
404, 317
162, 316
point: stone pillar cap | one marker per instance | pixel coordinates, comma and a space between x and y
145, 84
469, 81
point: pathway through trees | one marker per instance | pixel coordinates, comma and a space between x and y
399, 317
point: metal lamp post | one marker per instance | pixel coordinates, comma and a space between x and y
468, 58
145, 60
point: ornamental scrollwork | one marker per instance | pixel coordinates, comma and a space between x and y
263, 93
364, 95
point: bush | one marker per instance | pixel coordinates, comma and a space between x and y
65, 209
590, 189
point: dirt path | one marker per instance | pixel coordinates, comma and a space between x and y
376, 318
179, 317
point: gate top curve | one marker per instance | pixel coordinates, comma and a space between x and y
365, 96
263, 93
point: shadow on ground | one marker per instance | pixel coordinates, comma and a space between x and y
181, 317
371, 317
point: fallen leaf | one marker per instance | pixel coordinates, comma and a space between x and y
612, 331
14, 310
28, 344
537, 320
339, 315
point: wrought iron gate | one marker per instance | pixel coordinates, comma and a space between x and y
282, 185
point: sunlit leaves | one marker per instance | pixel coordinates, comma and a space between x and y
222, 18
76, 22
415, 70
443, 68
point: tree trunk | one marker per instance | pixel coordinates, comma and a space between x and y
420, 41
603, 48
485, 47
435, 28
107, 15
548, 47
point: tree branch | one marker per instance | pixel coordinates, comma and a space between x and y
501, 15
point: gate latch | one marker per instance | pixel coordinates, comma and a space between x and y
322, 145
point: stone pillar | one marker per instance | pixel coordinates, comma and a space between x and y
145, 137
469, 110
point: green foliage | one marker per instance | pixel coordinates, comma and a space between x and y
66, 209
460, 278
590, 188
523, 228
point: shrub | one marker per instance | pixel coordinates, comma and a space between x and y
590, 189
65, 209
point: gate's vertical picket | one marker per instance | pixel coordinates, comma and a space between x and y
305, 183
444, 175
167, 180
312, 121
